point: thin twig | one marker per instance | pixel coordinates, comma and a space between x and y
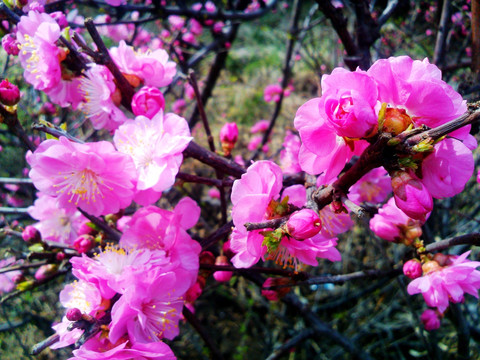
112, 233
469, 239
439, 52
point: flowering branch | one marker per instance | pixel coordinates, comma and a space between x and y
296, 275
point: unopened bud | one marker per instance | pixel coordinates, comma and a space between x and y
396, 121
222, 276
84, 243
73, 314
45, 271
412, 269
430, 266
31, 235
60, 256
10, 44
304, 224
9, 93
228, 137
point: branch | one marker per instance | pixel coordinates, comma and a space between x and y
287, 346
112, 233
5, 180
220, 233
185, 177
469, 239
268, 224
476, 36
439, 52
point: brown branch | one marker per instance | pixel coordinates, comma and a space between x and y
112, 233
476, 36
296, 275
439, 52
185, 177
42, 345
268, 224
216, 161
216, 236
55, 131
469, 239
22, 266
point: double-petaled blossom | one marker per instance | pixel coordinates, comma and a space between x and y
447, 280
92, 176
101, 98
55, 223
148, 101
158, 229
156, 147
372, 187
152, 68
254, 199
40, 57
391, 224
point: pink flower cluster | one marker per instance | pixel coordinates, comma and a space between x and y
254, 199
392, 95
136, 290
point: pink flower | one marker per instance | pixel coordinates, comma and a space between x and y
254, 142
430, 320
151, 67
37, 34
411, 196
392, 224
447, 169
100, 348
61, 225
92, 176
372, 187
289, 154
272, 92
214, 193
157, 229
448, 283
260, 126
100, 98
150, 308
6, 279
176, 22
417, 86
303, 224
148, 101
179, 106
348, 101
322, 149
115, 2
412, 269
156, 148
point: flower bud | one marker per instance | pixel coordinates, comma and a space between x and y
303, 224
84, 243
9, 93
396, 121
48, 109
430, 320
31, 235
412, 269
45, 271
60, 256
411, 196
430, 266
228, 137
275, 294
73, 314
10, 44
222, 276
60, 18
148, 101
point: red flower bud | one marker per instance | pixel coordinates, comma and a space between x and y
9, 93
31, 235
412, 269
304, 224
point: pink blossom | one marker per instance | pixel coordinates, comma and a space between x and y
84, 243
148, 101
150, 308
116, 32
448, 283
157, 229
254, 142
115, 2
6, 279
430, 320
289, 154
272, 93
176, 22
214, 193
156, 147
447, 169
392, 224
260, 126
151, 67
99, 98
417, 86
228, 137
179, 106
92, 176
61, 225
411, 195
322, 149
348, 101
372, 187
100, 348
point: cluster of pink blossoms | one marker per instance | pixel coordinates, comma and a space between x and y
129, 297
394, 94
